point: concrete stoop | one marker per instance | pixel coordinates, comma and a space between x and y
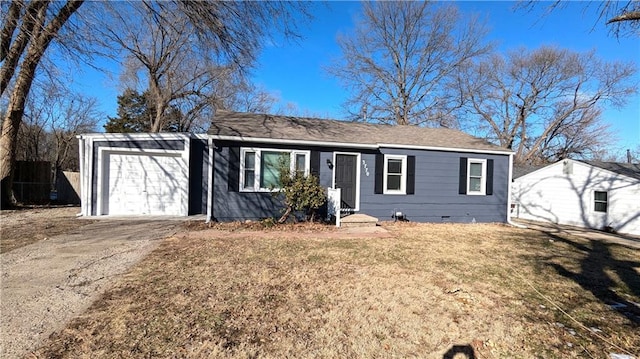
358, 220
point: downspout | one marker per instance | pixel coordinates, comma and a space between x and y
210, 181
509, 195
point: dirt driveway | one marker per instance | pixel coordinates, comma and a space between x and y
47, 283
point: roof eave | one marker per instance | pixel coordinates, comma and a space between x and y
355, 145
446, 149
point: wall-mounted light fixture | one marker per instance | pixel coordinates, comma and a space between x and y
329, 164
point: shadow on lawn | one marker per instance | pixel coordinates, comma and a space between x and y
594, 278
466, 350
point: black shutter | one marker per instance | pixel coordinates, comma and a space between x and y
233, 176
379, 173
314, 163
462, 182
489, 189
411, 174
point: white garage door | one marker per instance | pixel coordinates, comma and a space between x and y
151, 184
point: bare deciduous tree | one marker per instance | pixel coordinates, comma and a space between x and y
398, 61
622, 17
53, 117
251, 98
28, 28
546, 103
183, 65
233, 31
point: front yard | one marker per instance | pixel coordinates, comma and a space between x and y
422, 291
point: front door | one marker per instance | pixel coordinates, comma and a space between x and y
346, 168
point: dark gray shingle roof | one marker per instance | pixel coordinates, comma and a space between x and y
331, 131
521, 170
628, 169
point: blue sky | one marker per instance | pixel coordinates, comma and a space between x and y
294, 70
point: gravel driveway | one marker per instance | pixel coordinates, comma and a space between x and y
46, 284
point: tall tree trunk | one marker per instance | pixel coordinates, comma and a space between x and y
38, 44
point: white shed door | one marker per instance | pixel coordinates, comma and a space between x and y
146, 184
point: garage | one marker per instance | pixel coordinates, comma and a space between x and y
140, 183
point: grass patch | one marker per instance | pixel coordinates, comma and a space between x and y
501, 291
27, 225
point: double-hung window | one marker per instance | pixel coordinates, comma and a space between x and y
260, 168
395, 174
476, 176
249, 169
600, 201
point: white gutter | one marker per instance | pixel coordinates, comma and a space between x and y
354, 145
446, 149
133, 136
509, 195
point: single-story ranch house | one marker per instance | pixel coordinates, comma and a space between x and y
588, 194
428, 174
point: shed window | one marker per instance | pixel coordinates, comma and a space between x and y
600, 201
260, 168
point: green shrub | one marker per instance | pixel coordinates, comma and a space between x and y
299, 193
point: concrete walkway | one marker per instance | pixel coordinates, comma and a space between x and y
553, 228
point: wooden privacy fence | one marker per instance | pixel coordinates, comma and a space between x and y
68, 187
32, 181
32, 184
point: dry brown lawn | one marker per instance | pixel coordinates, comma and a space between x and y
21, 227
429, 290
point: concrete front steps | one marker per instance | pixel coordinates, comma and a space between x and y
358, 220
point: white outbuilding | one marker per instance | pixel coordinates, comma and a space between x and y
588, 194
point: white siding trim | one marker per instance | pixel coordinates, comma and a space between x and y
83, 187
135, 136
209, 181
509, 185
90, 178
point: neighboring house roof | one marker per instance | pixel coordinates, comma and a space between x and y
248, 126
521, 170
631, 170
627, 169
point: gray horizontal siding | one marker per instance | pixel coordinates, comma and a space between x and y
238, 206
436, 197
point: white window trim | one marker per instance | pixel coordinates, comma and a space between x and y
593, 202
483, 180
257, 174
403, 175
